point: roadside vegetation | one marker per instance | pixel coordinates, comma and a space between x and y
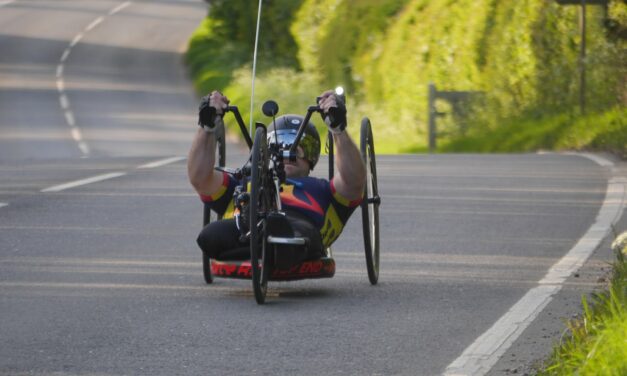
596, 341
522, 55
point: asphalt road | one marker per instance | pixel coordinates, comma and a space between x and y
105, 278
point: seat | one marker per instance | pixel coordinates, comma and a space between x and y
286, 247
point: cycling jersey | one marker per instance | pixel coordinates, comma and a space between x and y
314, 198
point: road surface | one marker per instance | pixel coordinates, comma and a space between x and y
99, 270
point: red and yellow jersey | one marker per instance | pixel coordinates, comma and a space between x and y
314, 198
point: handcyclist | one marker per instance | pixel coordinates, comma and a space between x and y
315, 208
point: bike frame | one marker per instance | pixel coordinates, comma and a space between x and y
289, 154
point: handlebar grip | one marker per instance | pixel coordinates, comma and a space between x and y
334, 115
207, 116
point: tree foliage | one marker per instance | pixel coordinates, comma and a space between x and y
523, 55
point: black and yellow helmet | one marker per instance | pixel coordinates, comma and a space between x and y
284, 130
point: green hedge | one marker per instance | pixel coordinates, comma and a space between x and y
521, 54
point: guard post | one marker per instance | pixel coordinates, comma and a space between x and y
582, 50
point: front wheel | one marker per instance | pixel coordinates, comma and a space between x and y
259, 205
370, 203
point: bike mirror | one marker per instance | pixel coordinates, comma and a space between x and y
270, 108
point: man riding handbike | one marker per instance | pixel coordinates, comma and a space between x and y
315, 209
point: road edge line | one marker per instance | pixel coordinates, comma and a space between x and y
487, 349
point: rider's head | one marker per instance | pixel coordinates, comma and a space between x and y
284, 131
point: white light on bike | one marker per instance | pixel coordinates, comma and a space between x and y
339, 90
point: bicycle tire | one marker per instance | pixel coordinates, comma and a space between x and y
370, 203
259, 206
207, 212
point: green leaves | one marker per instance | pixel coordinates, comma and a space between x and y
522, 54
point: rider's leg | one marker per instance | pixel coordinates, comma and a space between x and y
220, 240
304, 228
296, 225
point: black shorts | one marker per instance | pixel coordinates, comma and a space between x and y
221, 241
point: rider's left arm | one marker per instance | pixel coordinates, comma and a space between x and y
350, 178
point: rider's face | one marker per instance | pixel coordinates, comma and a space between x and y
299, 168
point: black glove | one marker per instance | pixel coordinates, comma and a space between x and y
206, 114
335, 118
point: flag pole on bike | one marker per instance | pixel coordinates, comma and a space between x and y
252, 95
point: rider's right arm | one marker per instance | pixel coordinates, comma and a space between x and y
200, 164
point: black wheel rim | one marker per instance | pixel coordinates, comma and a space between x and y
258, 208
370, 204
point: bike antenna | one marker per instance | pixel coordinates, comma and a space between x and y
252, 95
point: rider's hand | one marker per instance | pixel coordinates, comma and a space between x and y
211, 110
333, 111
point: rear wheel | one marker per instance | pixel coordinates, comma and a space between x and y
260, 193
370, 203
208, 214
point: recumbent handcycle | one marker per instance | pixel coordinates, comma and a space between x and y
262, 176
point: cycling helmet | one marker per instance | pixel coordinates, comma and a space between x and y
284, 130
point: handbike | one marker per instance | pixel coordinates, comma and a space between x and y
262, 176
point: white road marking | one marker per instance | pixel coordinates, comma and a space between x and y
77, 183
119, 8
161, 162
599, 160
76, 134
94, 23
84, 148
76, 39
5, 2
65, 55
3, 204
69, 118
485, 351
63, 99
114, 286
64, 102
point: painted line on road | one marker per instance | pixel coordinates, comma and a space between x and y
69, 118
76, 39
64, 102
161, 162
119, 8
63, 99
3, 204
595, 158
115, 286
84, 148
78, 286
94, 23
65, 55
78, 183
94, 179
6, 2
76, 134
485, 351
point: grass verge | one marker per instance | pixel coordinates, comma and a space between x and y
598, 339
598, 131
